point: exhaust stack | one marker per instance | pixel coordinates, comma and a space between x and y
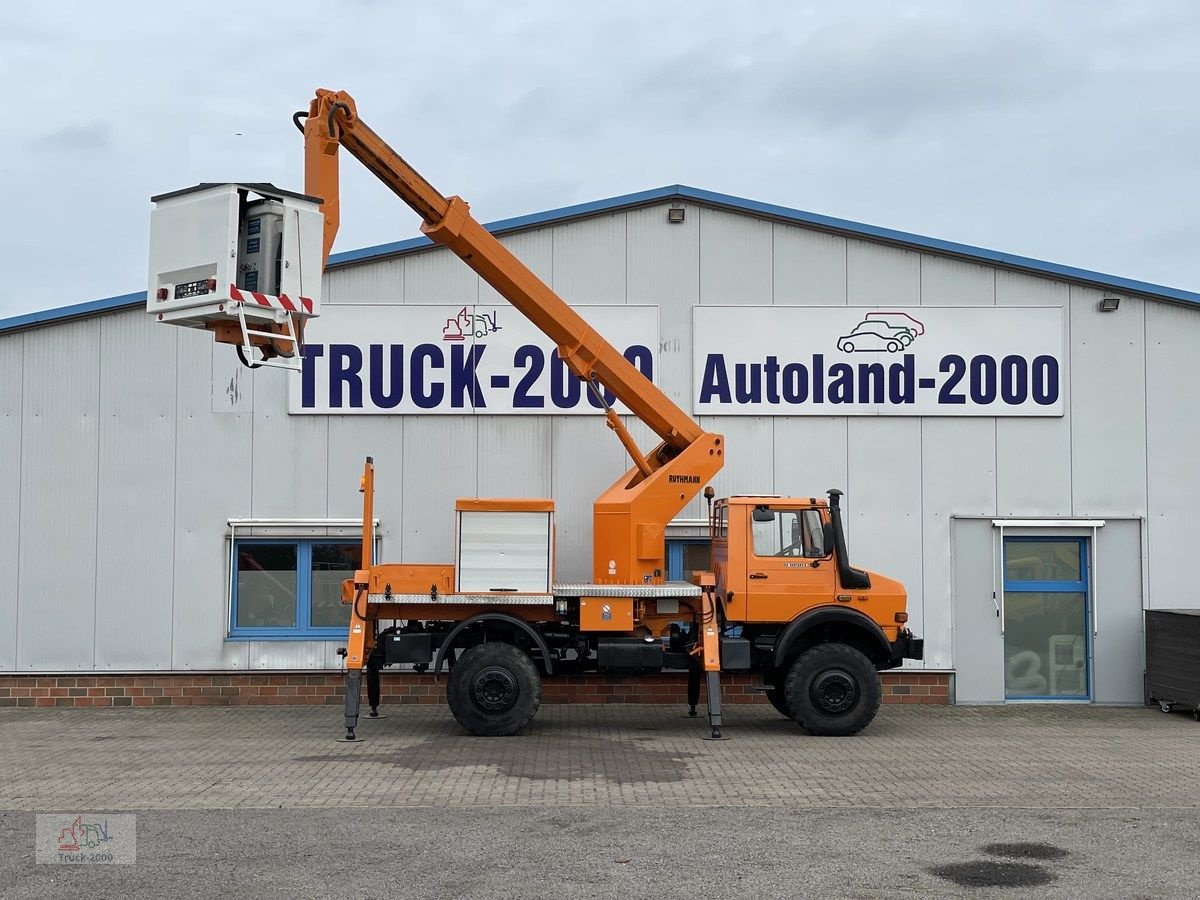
850, 578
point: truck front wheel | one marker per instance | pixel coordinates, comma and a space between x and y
494, 689
832, 690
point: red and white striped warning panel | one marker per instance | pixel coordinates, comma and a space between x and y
283, 301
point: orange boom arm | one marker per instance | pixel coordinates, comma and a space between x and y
631, 516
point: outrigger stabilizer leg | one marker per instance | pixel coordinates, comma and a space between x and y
693, 686
714, 706
373, 691
353, 690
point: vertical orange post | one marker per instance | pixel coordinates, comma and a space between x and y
367, 486
358, 643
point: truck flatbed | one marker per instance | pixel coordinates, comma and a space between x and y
672, 590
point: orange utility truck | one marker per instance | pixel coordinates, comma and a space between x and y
781, 597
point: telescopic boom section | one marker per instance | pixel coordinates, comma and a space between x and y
333, 122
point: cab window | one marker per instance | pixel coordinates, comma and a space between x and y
788, 532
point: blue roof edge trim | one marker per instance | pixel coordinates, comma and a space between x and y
937, 245
74, 311
698, 195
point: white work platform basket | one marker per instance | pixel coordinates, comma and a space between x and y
249, 254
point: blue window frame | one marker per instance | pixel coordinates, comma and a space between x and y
1047, 615
290, 589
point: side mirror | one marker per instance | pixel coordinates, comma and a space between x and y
827, 538
762, 514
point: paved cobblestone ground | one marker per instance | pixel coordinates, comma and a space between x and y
263, 757
623, 802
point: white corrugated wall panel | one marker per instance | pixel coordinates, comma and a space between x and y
664, 272
589, 260
1172, 436
735, 258
438, 276
883, 502
810, 455
276, 655
213, 462
351, 440
958, 463
441, 456
879, 275
955, 282
1033, 455
1108, 406
290, 453
809, 267
232, 383
514, 456
958, 477
11, 387
136, 538
57, 584
586, 459
381, 281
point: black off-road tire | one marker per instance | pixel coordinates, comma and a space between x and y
777, 697
833, 690
494, 689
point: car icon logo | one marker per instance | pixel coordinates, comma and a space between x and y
881, 332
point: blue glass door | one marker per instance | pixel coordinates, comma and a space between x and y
1047, 651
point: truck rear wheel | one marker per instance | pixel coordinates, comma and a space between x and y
833, 690
494, 689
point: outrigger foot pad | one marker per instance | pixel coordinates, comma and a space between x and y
349, 738
374, 714
715, 736
691, 713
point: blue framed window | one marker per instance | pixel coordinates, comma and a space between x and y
290, 589
1047, 637
685, 556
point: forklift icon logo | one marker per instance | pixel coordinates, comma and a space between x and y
81, 835
465, 324
882, 331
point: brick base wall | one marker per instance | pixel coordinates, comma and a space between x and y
244, 689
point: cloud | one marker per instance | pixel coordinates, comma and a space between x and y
1049, 130
87, 137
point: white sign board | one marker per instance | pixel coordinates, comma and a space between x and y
454, 359
882, 361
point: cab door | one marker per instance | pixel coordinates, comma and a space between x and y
788, 567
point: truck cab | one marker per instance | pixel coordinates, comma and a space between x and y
776, 557
817, 626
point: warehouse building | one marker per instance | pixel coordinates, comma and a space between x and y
1013, 436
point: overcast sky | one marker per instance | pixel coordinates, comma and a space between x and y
1068, 131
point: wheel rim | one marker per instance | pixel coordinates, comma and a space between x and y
495, 690
834, 692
